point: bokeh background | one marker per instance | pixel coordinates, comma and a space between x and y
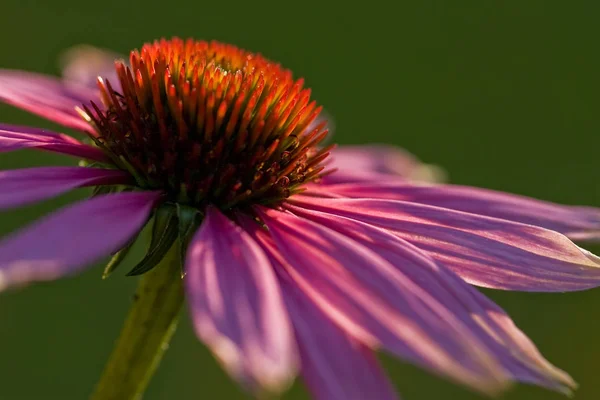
503, 94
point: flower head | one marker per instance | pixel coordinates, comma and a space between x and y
287, 268
208, 123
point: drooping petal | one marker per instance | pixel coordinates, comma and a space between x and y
578, 223
376, 303
83, 64
379, 163
29, 185
334, 365
47, 97
491, 324
535, 369
485, 251
72, 238
236, 305
14, 138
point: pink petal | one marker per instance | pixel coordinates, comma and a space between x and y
534, 368
74, 237
14, 138
24, 186
492, 326
375, 158
484, 251
575, 222
378, 163
83, 65
236, 305
334, 365
377, 303
47, 97
36, 132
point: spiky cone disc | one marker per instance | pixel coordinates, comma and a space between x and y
209, 123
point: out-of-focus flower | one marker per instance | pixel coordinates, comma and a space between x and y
378, 162
291, 266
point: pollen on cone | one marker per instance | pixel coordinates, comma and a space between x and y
210, 124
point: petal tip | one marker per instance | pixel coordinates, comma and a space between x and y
3, 282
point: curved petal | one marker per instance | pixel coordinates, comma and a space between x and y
578, 223
334, 365
83, 64
484, 251
376, 303
489, 322
47, 97
379, 163
29, 185
74, 237
236, 305
14, 138
39, 133
534, 368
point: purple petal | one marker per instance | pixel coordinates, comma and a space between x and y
334, 365
510, 346
378, 163
377, 303
83, 65
236, 305
374, 158
74, 237
526, 363
484, 251
14, 138
24, 186
47, 97
575, 222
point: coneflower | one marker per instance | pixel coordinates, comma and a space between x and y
291, 263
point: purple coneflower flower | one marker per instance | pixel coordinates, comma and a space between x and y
294, 263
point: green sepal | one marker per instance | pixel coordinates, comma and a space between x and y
117, 259
164, 234
189, 220
105, 189
87, 163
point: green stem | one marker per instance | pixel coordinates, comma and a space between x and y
151, 322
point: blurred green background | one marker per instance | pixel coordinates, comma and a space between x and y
503, 94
